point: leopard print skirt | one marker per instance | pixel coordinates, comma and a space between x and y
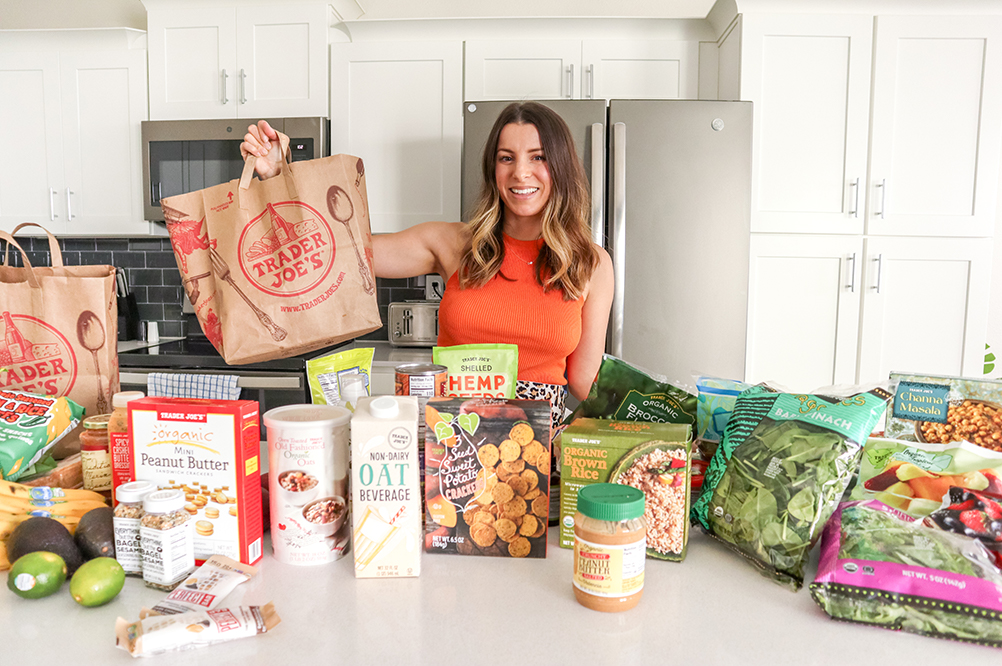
555, 393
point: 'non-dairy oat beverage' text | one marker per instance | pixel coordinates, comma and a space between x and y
209, 450
308, 482
386, 487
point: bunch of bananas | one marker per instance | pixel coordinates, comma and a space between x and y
18, 503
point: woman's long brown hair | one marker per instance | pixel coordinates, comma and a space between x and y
568, 257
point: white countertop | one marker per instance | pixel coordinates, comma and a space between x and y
713, 608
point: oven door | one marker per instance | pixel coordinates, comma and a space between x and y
270, 388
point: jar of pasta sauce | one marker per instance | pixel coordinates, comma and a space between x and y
610, 547
95, 456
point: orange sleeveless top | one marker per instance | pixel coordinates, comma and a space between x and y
545, 327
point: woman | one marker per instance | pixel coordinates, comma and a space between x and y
523, 270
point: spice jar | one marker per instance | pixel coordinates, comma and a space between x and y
95, 458
118, 438
167, 540
610, 547
128, 514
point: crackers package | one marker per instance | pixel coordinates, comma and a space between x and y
487, 462
652, 457
209, 449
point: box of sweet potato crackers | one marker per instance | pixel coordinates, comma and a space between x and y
487, 465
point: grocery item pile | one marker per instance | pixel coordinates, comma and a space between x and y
909, 520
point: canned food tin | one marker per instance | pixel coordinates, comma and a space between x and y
421, 379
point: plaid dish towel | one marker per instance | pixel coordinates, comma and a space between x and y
179, 385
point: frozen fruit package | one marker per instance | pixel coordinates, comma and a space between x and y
914, 477
971, 513
880, 567
716, 398
783, 466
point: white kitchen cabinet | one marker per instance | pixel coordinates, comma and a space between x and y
937, 126
252, 61
572, 69
803, 314
925, 306
809, 79
920, 157
74, 120
399, 106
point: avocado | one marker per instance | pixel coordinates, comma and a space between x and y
97, 581
95, 535
39, 533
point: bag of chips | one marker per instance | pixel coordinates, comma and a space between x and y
479, 371
30, 425
784, 464
624, 392
878, 567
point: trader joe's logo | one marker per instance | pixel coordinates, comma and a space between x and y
287, 250
34, 357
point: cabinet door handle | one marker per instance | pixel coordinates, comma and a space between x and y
591, 81
226, 100
851, 261
880, 270
52, 205
855, 198
69, 209
243, 87
883, 198
570, 81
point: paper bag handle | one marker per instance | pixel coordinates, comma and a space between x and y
286, 172
32, 280
54, 251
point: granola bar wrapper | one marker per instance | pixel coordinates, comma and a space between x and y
158, 634
205, 588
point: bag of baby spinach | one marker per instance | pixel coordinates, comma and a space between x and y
623, 392
781, 469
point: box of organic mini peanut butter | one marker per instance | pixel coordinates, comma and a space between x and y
652, 457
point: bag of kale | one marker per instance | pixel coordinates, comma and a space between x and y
624, 392
780, 471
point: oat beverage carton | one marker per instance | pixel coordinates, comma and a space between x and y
386, 487
210, 450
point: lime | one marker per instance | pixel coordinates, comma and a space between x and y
36, 575
97, 581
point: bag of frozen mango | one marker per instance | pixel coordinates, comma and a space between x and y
30, 425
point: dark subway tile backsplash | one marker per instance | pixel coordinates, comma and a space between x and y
152, 274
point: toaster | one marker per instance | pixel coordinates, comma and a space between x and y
413, 323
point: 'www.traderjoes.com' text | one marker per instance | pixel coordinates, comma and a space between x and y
316, 301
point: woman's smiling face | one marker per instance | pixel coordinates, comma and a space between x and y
521, 172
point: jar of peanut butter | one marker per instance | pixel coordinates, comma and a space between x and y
610, 547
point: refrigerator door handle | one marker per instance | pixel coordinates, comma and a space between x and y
570, 81
618, 232
598, 183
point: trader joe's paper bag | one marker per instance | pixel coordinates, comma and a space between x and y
278, 267
59, 328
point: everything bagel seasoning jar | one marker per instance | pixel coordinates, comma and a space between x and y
610, 547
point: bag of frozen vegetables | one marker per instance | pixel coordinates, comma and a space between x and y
624, 392
879, 567
781, 469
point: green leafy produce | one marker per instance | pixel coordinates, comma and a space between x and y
624, 392
909, 593
780, 471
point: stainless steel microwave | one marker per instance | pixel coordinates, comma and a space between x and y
182, 156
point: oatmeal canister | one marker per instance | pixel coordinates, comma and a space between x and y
386, 488
308, 482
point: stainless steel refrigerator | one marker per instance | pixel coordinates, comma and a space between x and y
671, 201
